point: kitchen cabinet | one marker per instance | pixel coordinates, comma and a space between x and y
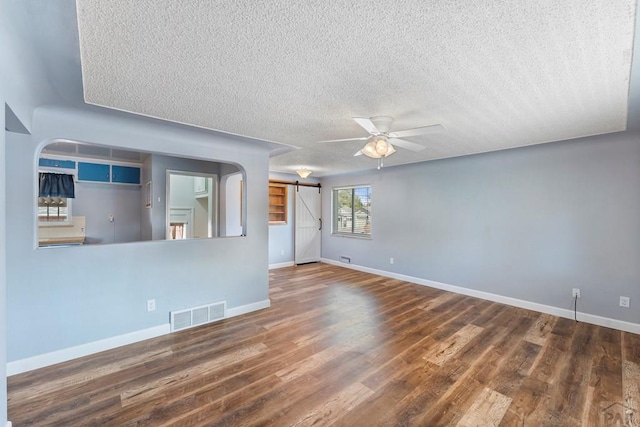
125, 174
200, 186
96, 172
55, 163
101, 172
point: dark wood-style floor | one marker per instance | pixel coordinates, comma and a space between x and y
340, 347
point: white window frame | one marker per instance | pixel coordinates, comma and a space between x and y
334, 214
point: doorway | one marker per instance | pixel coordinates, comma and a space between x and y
180, 224
308, 225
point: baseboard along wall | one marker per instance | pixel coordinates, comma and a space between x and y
542, 308
281, 265
59, 356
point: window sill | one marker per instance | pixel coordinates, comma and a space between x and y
352, 236
55, 223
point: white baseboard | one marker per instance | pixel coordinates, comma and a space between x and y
47, 359
59, 356
281, 265
542, 308
248, 308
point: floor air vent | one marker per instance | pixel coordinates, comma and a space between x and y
196, 316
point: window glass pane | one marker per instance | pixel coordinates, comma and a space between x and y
344, 214
352, 210
361, 209
53, 209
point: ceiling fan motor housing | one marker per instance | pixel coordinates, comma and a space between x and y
383, 123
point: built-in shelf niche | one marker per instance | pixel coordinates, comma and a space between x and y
277, 203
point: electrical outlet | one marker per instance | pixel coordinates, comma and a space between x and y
151, 305
575, 293
282, 252
111, 218
624, 302
390, 260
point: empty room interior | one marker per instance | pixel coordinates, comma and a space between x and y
320, 213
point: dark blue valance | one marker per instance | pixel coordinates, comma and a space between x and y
56, 185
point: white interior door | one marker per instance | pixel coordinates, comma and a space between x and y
307, 225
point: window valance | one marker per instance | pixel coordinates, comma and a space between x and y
56, 185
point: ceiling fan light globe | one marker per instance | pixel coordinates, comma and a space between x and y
390, 150
382, 146
369, 150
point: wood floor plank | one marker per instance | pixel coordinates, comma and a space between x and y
541, 329
631, 388
134, 395
347, 348
336, 407
487, 410
605, 374
447, 349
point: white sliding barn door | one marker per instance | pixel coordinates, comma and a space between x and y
307, 225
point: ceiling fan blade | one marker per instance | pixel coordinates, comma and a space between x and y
366, 124
411, 146
342, 140
424, 130
358, 153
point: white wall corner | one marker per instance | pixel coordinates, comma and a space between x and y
534, 306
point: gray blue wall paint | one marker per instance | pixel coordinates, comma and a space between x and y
21, 65
529, 223
281, 236
84, 294
231, 213
97, 201
3, 289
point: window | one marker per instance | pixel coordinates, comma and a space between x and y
56, 191
277, 203
352, 210
54, 209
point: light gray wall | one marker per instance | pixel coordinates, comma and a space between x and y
281, 236
230, 214
230, 191
4, 58
146, 232
87, 293
21, 65
529, 223
3, 289
97, 201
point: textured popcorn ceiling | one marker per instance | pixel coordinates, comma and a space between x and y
495, 74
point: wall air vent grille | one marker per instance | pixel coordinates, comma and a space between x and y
195, 316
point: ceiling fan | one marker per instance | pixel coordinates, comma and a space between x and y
380, 143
